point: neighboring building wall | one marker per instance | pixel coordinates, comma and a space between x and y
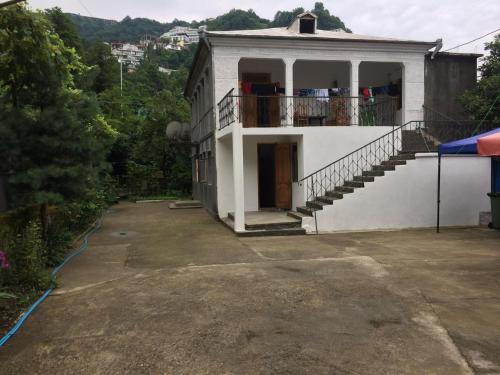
406, 198
447, 77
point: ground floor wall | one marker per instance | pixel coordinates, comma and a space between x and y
406, 198
316, 148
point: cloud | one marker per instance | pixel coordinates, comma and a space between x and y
456, 21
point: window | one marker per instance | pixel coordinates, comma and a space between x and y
307, 26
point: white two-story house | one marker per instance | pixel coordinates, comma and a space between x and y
323, 125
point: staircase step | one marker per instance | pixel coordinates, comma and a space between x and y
403, 156
384, 167
373, 173
344, 189
306, 210
394, 162
354, 184
364, 178
272, 232
318, 205
327, 199
334, 194
296, 215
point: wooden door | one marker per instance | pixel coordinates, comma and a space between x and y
249, 103
283, 176
249, 111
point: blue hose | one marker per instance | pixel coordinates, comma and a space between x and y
33, 307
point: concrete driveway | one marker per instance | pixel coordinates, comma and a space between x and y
175, 292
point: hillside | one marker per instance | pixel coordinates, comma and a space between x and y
92, 29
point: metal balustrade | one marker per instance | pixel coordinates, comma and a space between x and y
279, 110
444, 129
362, 161
366, 161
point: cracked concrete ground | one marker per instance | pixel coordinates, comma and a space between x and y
175, 292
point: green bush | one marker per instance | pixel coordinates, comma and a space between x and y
27, 261
58, 243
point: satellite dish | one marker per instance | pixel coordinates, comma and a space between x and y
173, 129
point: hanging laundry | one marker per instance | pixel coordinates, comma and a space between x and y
323, 95
246, 88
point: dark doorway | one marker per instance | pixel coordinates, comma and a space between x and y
261, 108
267, 175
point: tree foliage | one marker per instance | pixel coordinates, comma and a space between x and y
132, 30
484, 101
64, 27
53, 139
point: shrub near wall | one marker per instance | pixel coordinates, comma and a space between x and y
26, 260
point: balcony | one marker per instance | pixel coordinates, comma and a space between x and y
302, 111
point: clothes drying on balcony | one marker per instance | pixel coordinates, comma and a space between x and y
322, 94
390, 89
262, 89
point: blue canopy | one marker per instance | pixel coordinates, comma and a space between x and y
464, 146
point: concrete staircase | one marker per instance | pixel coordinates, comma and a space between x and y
348, 187
259, 224
412, 142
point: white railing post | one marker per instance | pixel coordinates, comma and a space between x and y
289, 110
354, 92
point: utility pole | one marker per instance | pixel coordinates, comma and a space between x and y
121, 85
121, 77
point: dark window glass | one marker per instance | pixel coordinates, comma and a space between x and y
307, 26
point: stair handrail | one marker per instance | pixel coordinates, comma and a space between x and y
360, 148
356, 163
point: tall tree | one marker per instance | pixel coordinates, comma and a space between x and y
52, 137
484, 101
64, 27
105, 69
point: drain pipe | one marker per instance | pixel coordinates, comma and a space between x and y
54, 272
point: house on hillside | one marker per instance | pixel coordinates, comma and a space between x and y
181, 34
322, 131
128, 54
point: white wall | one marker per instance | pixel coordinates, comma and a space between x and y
275, 67
406, 198
321, 145
226, 60
324, 145
225, 187
378, 74
320, 74
317, 147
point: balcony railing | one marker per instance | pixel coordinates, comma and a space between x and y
275, 111
442, 128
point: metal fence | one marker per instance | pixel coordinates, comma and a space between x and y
442, 128
276, 111
360, 162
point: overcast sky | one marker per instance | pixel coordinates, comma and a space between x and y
456, 21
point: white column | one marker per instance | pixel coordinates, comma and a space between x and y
413, 90
289, 90
239, 184
354, 91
